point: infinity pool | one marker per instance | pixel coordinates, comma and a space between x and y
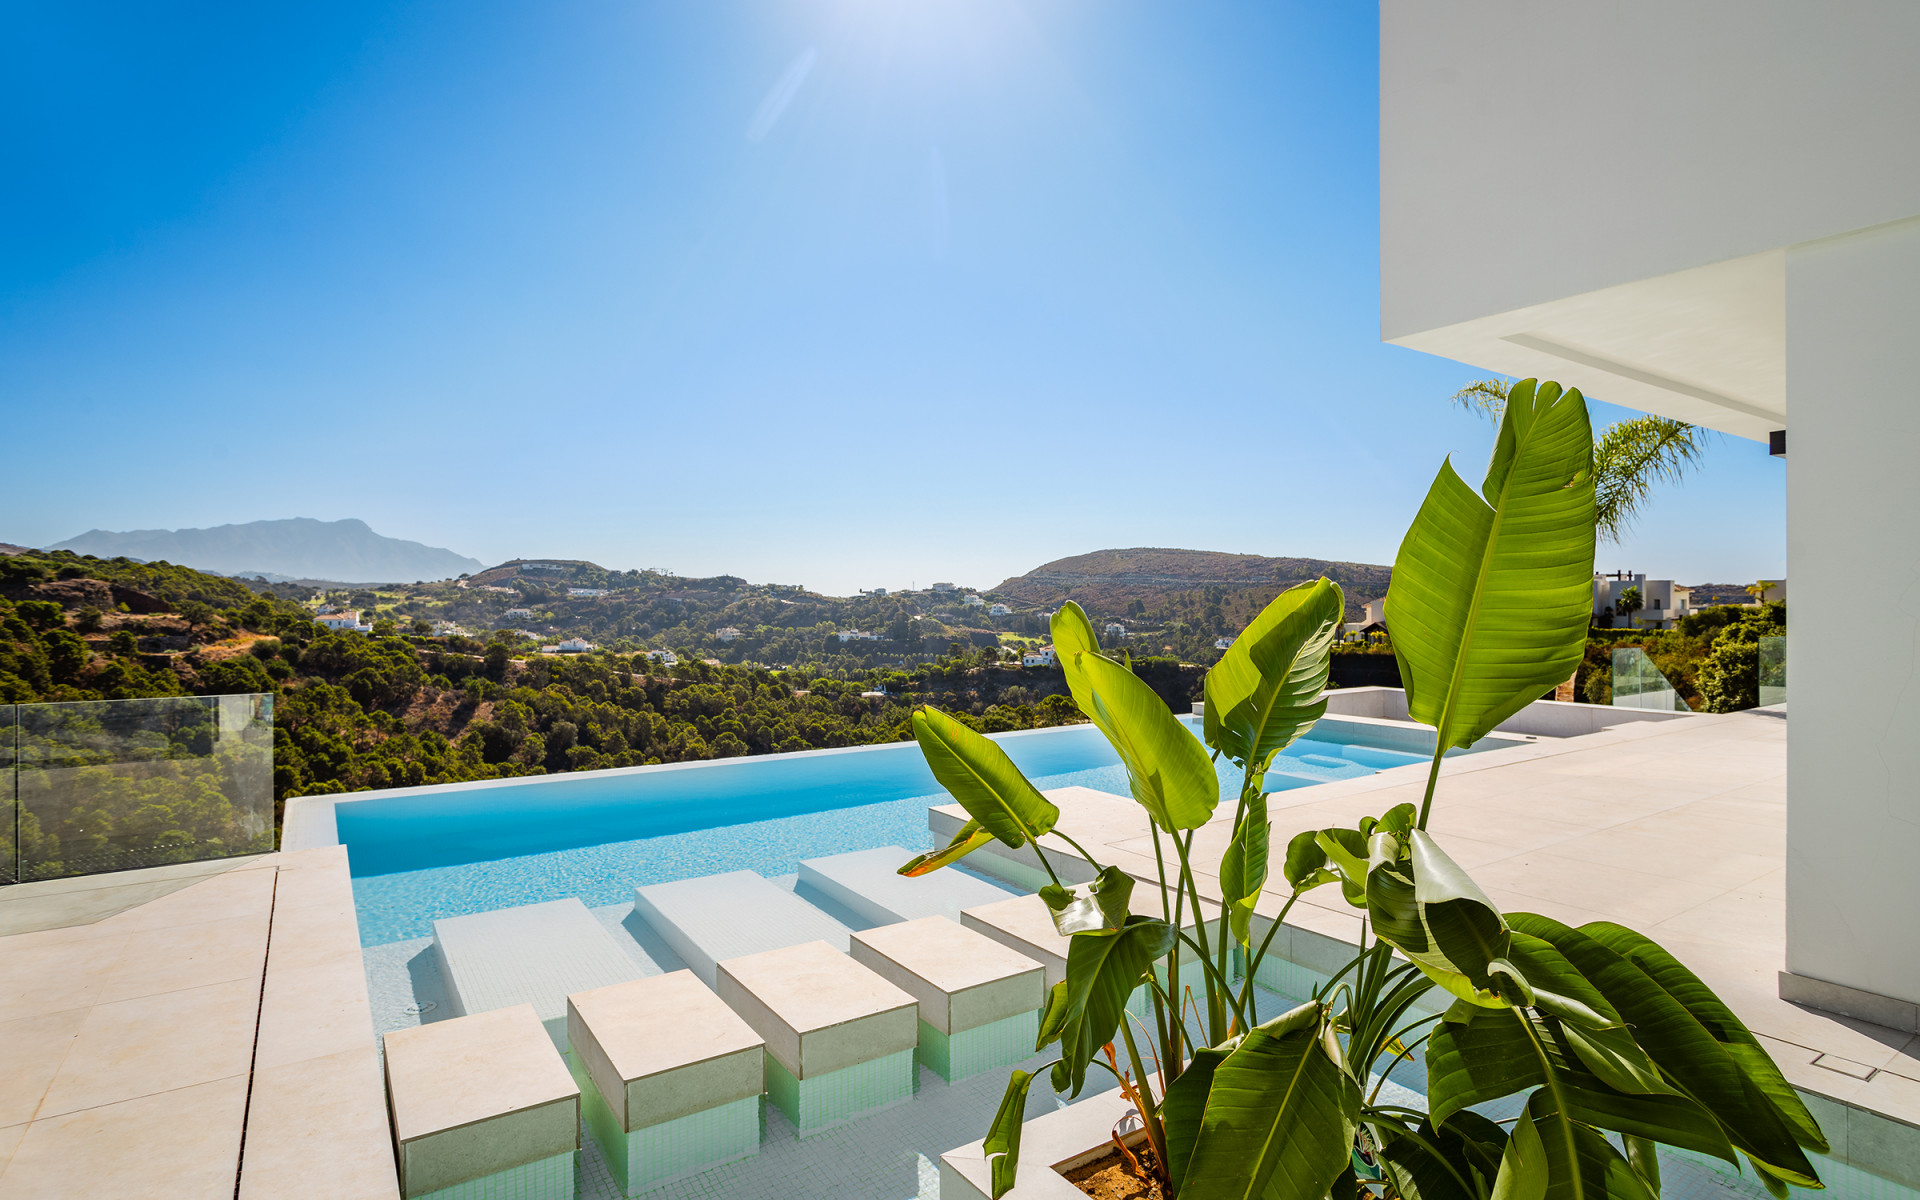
420, 854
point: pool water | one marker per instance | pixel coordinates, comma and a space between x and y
423, 854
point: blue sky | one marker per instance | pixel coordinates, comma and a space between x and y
847, 293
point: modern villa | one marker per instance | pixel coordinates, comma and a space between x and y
713, 979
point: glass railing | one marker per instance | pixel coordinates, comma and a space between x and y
105, 785
1773, 670
1638, 683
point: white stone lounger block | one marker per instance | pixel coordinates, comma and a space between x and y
840, 1038
538, 954
482, 1106
670, 1077
868, 882
979, 1001
717, 917
1025, 924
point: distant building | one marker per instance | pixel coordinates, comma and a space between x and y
665, 658
516, 613
1222, 643
942, 587
873, 592
856, 635
571, 646
346, 622
974, 601
1662, 601
726, 633
488, 587
1042, 657
1115, 629
573, 591
447, 629
999, 610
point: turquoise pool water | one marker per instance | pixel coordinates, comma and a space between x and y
422, 854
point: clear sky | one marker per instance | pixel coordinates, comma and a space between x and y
846, 293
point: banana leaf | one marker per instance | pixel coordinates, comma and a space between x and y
977, 772
1101, 906
1280, 1115
971, 836
1492, 591
1002, 1143
1101, 973
1266, 689
1168, 769
1243, 868
1429, 909
1185, 1104
1687, 1052
1581, 1164
1718, 1020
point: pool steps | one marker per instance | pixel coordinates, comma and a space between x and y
717, 917
536, 954
868, 884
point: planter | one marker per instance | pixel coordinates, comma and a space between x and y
1050, 1145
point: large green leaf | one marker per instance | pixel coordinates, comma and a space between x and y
1266, 689
1429, 909
1280, 1116
1167, 768
1476, 1055
1718, 1020
1102, 972
1687, 1052
1429, 1162
1243, 868
1185, 1104
1524, 1170
977, 772
970, 837
1002, 1143
1102, 905
1581, 1163
1492, 592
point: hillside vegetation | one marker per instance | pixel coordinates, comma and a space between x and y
1150, 581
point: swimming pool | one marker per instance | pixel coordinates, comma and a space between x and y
424, 853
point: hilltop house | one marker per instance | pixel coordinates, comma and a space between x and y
942, 587
856, 635
1043, 657
999, 610
726, 633
974, 600
515, 613
347, 622
447, 629
665, 658
1662, 601
1115, 629
1222, 643
571, 646
574, 591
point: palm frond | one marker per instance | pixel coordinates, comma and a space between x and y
1487, 397
1632, 456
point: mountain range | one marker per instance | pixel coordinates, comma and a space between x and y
299, 548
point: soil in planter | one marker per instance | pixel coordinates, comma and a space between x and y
1112, 1177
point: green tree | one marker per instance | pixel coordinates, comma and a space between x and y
1628, 604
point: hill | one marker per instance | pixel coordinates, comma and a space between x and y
1113, 581
300, 548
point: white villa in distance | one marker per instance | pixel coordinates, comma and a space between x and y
999, 610
1662, 601
1710, 211
571, 646
346, 622
974, 600
725, 633
942, 587
1043, 657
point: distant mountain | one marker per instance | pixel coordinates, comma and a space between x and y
1106, 581
300, 548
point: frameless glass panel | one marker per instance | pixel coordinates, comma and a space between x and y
105, 785
1773, 670
1638, 683
9, 809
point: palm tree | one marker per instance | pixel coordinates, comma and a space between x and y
1628, 458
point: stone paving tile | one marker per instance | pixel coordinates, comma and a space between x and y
180, 1143
157, 1043
31, 1051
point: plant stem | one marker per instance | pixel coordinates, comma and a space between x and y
1433, 777
1559, 1103
1170, 1027
1149, 1111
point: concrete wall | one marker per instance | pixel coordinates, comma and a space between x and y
1542, 718
1853, 821
1536, 149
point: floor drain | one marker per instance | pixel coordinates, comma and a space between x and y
419, 1010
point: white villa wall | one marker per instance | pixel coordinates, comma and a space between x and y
1705, 210
1853, 767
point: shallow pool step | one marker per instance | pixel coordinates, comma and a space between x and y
718, 917
537, 954
868, 883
